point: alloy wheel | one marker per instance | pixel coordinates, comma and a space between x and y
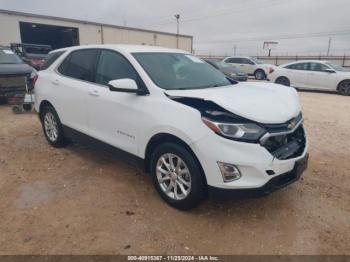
344, 88
259, 75
173, 176
51, 127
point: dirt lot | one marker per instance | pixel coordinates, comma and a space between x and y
80, 200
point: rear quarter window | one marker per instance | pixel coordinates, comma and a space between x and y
50, 59
79, 64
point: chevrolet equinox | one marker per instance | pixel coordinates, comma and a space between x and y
197, 132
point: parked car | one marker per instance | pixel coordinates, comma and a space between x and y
313, 74
228, 70
32, 54
194, 130
15, 75
251, 66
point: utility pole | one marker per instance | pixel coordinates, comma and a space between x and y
234, 50
177, 16
329, 45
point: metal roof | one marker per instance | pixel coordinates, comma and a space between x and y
9, 12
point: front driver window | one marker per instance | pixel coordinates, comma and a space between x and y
247, 61
113, 66
318, 67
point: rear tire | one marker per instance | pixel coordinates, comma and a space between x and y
52, 127
174, 168
344, 88
282, 80
260, 74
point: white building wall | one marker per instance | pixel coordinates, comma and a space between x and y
91, 33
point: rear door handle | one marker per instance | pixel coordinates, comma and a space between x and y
94, 93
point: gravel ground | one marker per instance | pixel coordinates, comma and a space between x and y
80, 200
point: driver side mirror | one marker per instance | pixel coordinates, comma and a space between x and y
125, 85
331, 71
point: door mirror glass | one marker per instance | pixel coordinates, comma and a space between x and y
126, 85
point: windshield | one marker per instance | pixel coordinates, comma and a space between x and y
337, 67
8, 57
257, 61
180, 71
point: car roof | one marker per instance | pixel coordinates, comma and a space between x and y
309, 61
249, 57
126, 48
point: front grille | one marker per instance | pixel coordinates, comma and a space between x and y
277, 128
286, 146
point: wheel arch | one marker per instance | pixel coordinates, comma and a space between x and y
259, 69
164, 138
341, 81
282, 76
43, 104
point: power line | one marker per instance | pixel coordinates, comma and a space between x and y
283, 36
265, 4
162, 19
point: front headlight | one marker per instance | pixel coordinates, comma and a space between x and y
248, 132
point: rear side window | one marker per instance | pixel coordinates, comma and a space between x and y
79, 64
318, 67
50, 59
233, 60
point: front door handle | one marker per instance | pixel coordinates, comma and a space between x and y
94, 93
56, 82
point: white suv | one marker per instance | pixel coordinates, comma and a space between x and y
196, 131
251, 66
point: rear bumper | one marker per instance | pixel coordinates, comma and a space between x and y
272, 185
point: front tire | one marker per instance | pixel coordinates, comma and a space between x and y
259, 74
177, 176
283, 81
344, 88
52, 127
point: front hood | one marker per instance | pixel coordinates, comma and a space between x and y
261, 102
15, 69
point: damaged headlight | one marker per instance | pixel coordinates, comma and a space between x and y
248, 132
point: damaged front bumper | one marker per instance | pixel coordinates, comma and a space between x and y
272, 185
264, 166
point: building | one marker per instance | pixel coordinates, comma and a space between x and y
18, 27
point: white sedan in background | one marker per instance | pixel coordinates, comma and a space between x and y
316, 75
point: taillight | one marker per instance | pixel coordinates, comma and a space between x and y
34, 78
271, 70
